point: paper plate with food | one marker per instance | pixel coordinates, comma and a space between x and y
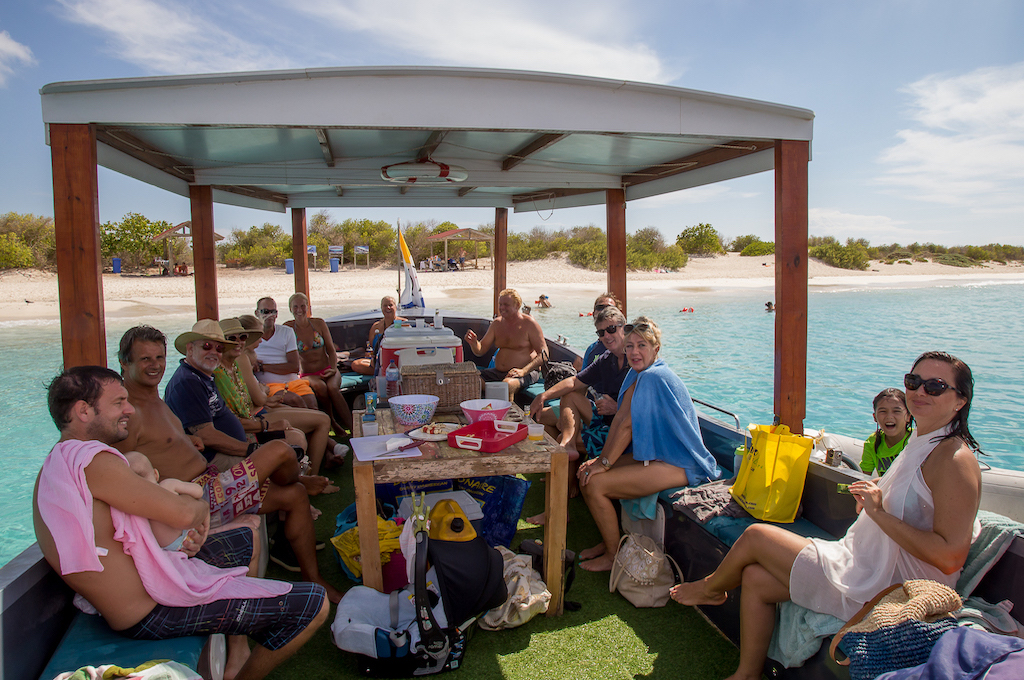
433, 432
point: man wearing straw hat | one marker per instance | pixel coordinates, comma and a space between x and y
265, 481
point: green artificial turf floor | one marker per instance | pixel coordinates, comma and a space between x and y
606, 638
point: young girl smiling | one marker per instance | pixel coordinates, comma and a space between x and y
894, 427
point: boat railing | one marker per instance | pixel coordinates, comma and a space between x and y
720, 410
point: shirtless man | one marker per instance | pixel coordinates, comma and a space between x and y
90, 407
520, 343
155, 431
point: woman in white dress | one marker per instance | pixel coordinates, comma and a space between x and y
916, 522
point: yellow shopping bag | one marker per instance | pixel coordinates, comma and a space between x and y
770, 482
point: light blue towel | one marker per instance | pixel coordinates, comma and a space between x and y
997, 532
664, 423
799, 632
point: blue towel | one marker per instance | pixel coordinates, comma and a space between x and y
664, 423
997, 532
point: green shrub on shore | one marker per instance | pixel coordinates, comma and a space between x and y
853, 255
758, 248
956, 260
14, 254
701, 239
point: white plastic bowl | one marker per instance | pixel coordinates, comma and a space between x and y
413, 410
476, 409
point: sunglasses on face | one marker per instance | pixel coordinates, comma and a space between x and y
267, 312
236, 338
611, 329
215, 346
933, 387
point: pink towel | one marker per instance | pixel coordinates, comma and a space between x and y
170, 578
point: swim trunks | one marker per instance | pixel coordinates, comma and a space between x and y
272, 622
234, 492
300, 387
495, 375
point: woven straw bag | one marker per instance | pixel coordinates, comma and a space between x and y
897, 628
642, 572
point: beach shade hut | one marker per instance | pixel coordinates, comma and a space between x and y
463, 235
181, 230
380, 136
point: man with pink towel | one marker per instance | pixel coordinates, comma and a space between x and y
92, 520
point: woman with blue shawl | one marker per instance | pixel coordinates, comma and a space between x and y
654, 442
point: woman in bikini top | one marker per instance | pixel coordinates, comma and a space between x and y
318, 359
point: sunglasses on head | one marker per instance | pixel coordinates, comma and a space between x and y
215, 346
611, 329
267, 312
933, 387
598, 308
639, 328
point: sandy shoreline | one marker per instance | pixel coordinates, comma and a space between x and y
31, 294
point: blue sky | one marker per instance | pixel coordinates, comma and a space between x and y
919, 129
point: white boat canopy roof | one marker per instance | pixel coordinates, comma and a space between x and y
320, 137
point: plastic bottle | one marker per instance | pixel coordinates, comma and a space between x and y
394, 380
438, 320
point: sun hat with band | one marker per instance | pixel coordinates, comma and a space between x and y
204, 329
234, 327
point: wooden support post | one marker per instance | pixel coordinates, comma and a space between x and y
615, 210
203, 253
791, 158
76, 219
299, 251
500, 253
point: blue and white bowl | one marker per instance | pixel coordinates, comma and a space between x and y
413, 410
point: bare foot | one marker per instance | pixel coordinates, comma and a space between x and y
695, 593
574, 486
600, 563
315, 512
536, 519
333, 594
591, 553
238, 654
317, 484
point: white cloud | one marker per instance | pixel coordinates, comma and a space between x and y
169, 38
968, 148
12, 51
842, 225
568, 37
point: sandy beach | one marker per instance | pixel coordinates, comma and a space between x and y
32, 294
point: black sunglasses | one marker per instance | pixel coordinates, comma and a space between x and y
611, 329
598, 308
237, 338
933, 387
267, 312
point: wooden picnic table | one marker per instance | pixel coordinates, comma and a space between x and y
441, 461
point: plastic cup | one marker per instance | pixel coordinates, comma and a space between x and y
535, 432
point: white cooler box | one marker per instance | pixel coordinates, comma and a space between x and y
409, 346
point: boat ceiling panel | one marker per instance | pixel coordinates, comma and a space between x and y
293, 138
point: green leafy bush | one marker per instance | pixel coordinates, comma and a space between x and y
978, 254
757, 248
740, 242
853, 255
700, 240
14, 254
956, 260
36, 233
131, 239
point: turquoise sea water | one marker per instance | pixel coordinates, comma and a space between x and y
860, 341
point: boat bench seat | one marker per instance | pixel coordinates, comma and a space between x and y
89, 641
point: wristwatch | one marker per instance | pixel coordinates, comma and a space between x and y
605, 463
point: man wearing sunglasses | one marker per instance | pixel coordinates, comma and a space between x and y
277, 356
264, 481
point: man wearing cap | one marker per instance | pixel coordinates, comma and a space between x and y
265, 481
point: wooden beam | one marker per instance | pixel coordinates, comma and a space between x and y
325, 146
433, 141
77, 233
500, 253
791, 158
253, 192
127, 143
549, 194
404, 189
465, 190
301, 260
615, 211
538, 144
702, 159
203, 252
